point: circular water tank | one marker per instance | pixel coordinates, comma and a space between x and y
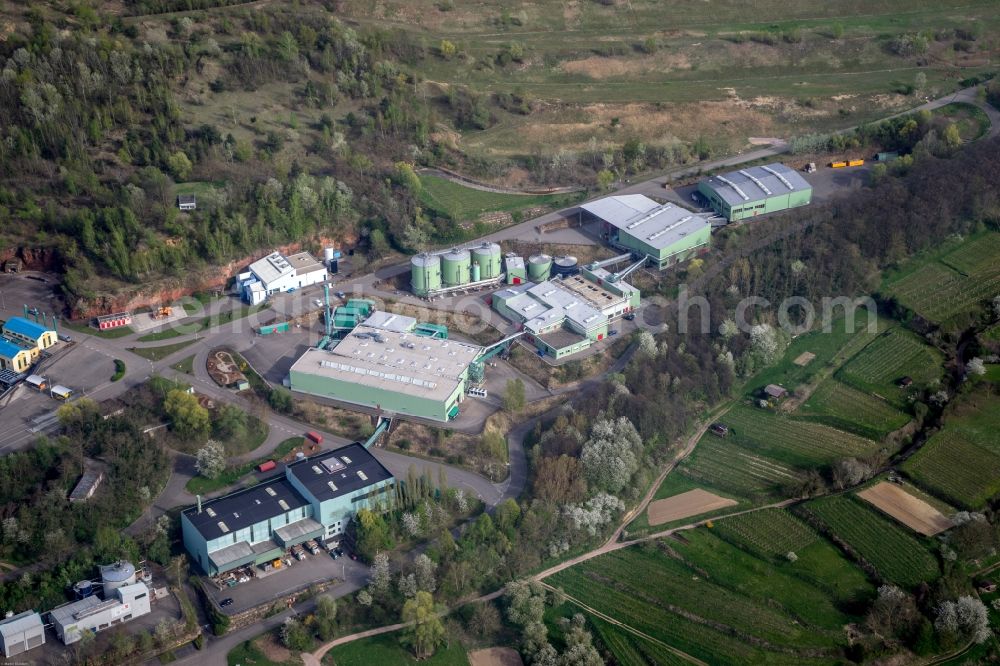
539, 266
117, 575
328, 255
83, 589
425, 273
487, 256
456, 268
566, 265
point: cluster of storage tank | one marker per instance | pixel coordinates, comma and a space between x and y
431, 273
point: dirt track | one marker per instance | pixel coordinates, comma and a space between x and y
913, 512
497, 656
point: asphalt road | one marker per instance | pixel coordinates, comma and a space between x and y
236, 335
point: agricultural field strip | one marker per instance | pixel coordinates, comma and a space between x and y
887, 358
976, 256
834, 398
667, 580
955, 282
938, 292
812, 442
906, 508
897, 555
772, 531
664, 590
713, 464
629, 652
956, 468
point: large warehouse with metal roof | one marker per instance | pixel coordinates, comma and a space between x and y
664, 233
386, 362
738, 195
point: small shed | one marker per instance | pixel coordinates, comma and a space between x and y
87, 485
775, 391
187, 201
905, 381
987, 586
12, 265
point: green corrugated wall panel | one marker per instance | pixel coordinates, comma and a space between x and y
393, 401
800, 198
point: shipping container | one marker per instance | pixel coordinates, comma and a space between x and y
838, 165
267, 466
856, 163
315, 436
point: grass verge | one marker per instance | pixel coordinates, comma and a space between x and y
200, 485
161, 352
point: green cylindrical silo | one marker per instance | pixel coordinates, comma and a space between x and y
456, 268
487, 256
539, 266
425, 273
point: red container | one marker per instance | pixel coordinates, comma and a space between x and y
315, 436
267, 467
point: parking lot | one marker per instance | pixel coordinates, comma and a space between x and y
275, 587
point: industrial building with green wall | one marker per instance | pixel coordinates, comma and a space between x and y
665, 234
391, 363
742, 194
315, 498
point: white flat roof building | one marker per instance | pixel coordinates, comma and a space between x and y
91, 614
276, 272
21, 633
404, 362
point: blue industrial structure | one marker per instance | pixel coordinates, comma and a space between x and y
316, 497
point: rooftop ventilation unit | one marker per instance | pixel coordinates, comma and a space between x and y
223, 527
735, 187
778, 176
673, 226
756, 181
270, 491
650, 215
283, 504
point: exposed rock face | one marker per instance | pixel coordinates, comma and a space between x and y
45, 259
160, 291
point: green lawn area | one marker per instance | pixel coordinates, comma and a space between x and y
199, 485
185, 365
385, 650
110, 334
961, 462
841, 406
703, 595
880, 366
972, 121
897, 554
165, 334
229, 316
462, 203
161, 352
249, 654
